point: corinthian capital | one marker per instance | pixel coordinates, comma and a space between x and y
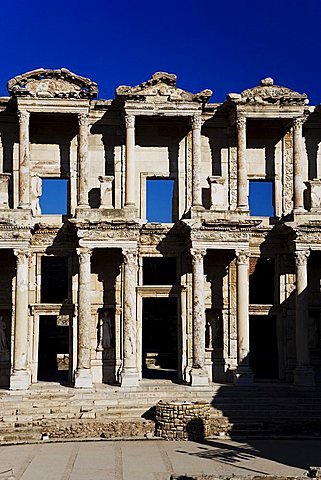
301, 257
197, 121
242, 257
130, 256
197, 254
83, 119
241, 122
22, 256
130, 121
23, 116
298, 122
84, 253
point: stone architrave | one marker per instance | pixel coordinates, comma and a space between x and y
298, 185
243, 372
24, 160
129, 374
197, 159
83, 160
199, 375
242, 199
303, 373
130, 161
83, 374
20, 376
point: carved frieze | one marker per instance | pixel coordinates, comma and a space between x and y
46, 83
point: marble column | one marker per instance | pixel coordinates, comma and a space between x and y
243, 372
83, 160
199, 375
24, 160
197, 159
242, 198
303, 373
20, 377
83, 374
130, 161
129, 374
298, 185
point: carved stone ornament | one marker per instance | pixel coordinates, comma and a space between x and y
130, 121
23, 116
242, 257
83, 119
267, 92
130, 256
161, 88
241, 122
46, 83
301, 257
197, 121
197, 254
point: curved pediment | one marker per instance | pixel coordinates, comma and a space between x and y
267, 92
46, 83
161, 87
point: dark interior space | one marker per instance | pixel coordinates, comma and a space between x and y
53, 355
263, 347
262, 281
54, 279
160, 338
159, 271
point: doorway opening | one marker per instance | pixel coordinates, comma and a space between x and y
53, 353
160, 338
263, 347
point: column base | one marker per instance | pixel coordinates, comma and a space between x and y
83, 378
20, 380
243, 376
129, 379
199, 377
304, 376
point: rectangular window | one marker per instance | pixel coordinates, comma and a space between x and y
261, 198
159, 271
54, 196
159, 200
54, 279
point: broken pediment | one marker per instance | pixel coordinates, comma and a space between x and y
267, 92
161, 87
45, 83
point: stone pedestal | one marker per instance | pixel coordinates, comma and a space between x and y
106, 191
303, 373
197, 159
4, 190
242, 197
199, 375
83, 374
20, 377
24, 160
243, 373
130, 161
218, 198
83, 160
129, 374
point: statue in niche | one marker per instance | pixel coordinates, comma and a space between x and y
105, 334
3, 336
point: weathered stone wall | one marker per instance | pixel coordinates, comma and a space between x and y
182, 421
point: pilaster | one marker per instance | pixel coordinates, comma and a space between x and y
242, 197
83, 160
130, 161
197, 160
298, 185
24, 159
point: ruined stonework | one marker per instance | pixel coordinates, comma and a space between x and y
100, 293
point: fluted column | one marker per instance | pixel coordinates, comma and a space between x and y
130, 161
303, 373
24, 160
242, 198
243, 373
298, 185
83, 160
129, 374
20, 377
83, 374
197, 159
199, 375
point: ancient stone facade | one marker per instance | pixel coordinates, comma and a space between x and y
99, 294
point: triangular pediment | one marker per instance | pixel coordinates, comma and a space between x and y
161, 87
46, 83
267, 92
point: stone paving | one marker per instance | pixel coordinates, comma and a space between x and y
157, 459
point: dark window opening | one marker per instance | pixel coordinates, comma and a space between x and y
159, 200
261, 198
53, 358
159, 271
54, 279
262, 280
54, 196
263, 347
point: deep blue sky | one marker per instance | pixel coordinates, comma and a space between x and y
223, 45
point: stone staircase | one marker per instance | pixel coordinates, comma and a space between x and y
56, 412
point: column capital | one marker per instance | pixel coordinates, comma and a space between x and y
83, 119
83, 251
130, 121
130, 256
240, 122
197, 254
298, 122
301, 257
23, 116
242, 257
197, 121
22, 255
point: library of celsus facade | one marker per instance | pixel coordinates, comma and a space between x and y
97, 293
